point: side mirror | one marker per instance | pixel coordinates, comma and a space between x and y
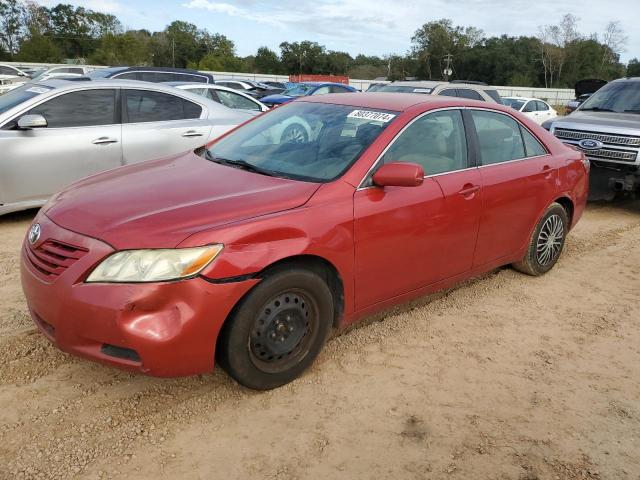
27, 122
399, 174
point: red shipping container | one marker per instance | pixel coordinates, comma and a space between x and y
319, 78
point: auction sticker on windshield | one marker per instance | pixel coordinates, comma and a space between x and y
374, 116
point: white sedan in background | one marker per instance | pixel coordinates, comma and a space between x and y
539, 111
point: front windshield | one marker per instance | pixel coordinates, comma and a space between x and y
513, 103
18, 95
298, 90
314, 142
619, 97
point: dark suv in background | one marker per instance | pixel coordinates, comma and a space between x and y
150, 74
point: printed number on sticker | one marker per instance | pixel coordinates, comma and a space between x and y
369, 115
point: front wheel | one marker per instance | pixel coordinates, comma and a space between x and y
546, 242
277, 330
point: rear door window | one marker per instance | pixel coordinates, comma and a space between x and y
233, 100
468, 93
321, 90
7, 71
97, 107
541, 106
494, 94
157, 77
449, 92
499, 137
188, 77
149, 106
129, 76
338, 89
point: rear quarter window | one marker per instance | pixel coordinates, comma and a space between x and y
494, 94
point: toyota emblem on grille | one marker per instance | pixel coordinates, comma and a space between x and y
34, 233
590, 144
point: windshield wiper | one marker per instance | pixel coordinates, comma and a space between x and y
242, 164
596, 109
632, 110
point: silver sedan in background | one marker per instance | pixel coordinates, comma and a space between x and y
55, 132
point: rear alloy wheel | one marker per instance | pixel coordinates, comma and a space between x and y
277, 330
546, 242
294, 133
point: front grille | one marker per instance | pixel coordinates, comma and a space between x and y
623, 140
609, 154
52, 257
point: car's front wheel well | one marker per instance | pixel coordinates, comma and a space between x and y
321, 267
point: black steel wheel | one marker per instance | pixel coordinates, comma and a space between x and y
277, 330
283, 330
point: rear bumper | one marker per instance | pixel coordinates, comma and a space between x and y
161, 329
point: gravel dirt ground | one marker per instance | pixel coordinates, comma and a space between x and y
503, 377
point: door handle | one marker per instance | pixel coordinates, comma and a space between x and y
547, 172
192, 133
469, 190
104, 141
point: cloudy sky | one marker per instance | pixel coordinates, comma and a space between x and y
374, 27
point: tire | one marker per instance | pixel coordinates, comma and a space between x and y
546, 243
294, 133
277, 330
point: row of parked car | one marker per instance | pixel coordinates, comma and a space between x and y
85, 122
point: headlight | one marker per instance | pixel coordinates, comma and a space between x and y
129, 266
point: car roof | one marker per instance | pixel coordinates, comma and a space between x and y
435, 83
525, 99
62, 85
319, 84
417, 83
153, 69
397, 102
212, 86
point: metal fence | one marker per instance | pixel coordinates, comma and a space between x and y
554, 96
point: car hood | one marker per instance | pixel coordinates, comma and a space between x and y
159, 204
608, 119
276, 99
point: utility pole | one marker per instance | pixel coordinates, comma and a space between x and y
447, 70
173, 50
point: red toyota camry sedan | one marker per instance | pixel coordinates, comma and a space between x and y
304, 219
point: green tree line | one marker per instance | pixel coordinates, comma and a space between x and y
557, 57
